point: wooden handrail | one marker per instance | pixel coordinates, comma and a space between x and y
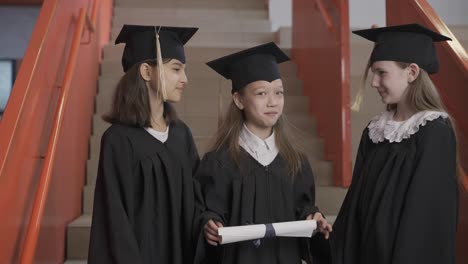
32, 233
323, 11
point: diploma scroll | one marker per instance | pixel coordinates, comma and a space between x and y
234, 234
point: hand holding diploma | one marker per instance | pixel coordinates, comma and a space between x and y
322, 225
211, 232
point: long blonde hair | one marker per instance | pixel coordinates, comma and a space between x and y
227, 136
421, 95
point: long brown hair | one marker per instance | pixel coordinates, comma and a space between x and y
130, 102
229, 131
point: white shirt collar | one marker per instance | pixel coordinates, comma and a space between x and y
264, 151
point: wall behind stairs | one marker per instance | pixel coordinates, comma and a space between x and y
16, 25
280, 13
364, 13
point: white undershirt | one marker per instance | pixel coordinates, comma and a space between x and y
264, 151
161, 136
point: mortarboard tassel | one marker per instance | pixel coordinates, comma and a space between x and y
356, 107
161, 80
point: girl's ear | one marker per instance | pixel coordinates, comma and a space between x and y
238, 100
413, 72
146, 71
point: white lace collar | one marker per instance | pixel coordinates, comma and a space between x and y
383, 127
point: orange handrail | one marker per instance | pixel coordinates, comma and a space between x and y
324, 13
18, 103
46, 172
457, 52
26, 128
94, 12
10, 128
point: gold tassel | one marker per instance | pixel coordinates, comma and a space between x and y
356, 107
161, 80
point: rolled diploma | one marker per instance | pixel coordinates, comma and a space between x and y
233, 234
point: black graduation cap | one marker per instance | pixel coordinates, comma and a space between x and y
410, 43
259, 63
140, 43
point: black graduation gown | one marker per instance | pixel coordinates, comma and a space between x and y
402, 205
144, 198
254, 194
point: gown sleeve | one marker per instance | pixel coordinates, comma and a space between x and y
214, 187
337, 242
428, 220
316, 249
112, 238
361, 154
193, 152
304, 192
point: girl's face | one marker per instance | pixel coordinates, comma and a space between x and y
262, 103
391, 81
175, 78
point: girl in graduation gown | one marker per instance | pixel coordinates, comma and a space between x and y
402, 205
252, 175
143, 203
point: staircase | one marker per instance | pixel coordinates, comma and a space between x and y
226, 26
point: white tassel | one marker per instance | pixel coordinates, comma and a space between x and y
161, 80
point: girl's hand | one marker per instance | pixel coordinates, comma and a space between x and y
322, 225
211, 232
